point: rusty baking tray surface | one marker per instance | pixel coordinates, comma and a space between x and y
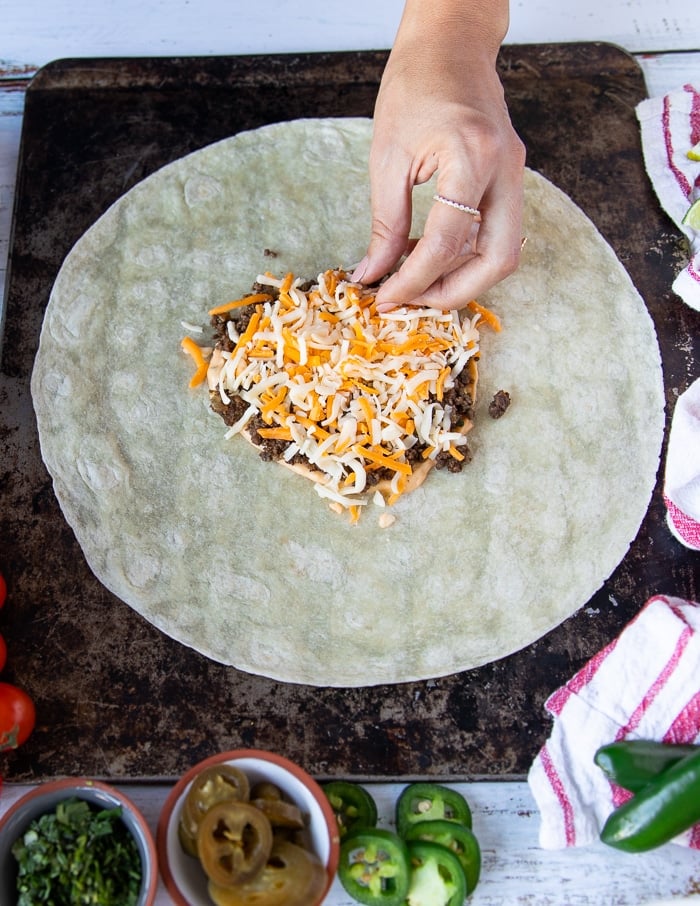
117, 698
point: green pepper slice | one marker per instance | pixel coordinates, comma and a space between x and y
455, 837
430, 801
374, 867
352, 805
437, 878
632, 763
667, 806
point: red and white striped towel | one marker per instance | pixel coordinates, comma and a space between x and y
643, 685
682, 472
670, 127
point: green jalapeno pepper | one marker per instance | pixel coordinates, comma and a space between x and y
374, 867
430, 801
437, 878
458, 839
352, 805
632, 763
668, 805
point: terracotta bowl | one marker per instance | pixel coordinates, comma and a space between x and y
182, 874
44, 798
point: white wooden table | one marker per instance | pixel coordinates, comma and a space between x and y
514, 869
664, 36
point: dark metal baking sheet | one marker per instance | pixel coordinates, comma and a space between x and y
117, 698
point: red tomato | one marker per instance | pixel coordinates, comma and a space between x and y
3, 653
17, 716
3, 589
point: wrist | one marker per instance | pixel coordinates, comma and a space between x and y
472, 27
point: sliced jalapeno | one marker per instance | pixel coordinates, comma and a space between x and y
430, 801
352, 805
632, 763
455, 837
437, 878
266, 790
374, 867
292, 876
187, 838
280, 813
668, 805
234, 841
216, 783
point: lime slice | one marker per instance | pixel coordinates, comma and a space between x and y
694, 153
692, 215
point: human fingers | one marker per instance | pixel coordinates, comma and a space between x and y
447, 238
493, 254
391, 202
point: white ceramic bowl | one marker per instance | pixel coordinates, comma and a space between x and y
183, 876
44, 798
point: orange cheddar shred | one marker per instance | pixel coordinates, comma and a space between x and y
193, 349
239, 303
488, 317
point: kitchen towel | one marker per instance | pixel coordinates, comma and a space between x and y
670, 127
644, 685
682, 473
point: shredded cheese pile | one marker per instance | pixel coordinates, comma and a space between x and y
349, 389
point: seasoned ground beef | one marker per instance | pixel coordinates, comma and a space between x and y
239, 317
499, 404
231, 412
460, 399
271, 449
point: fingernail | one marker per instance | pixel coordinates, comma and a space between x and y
360, 270
384, 307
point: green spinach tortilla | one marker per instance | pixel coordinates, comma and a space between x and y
238, 558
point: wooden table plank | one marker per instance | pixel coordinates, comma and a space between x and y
514, 869
37, 31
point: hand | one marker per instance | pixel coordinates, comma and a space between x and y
441, 109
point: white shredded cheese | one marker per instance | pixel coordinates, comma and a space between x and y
191, 328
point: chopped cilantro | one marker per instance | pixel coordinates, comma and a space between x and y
78, 855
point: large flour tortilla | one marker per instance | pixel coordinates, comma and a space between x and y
240, 559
